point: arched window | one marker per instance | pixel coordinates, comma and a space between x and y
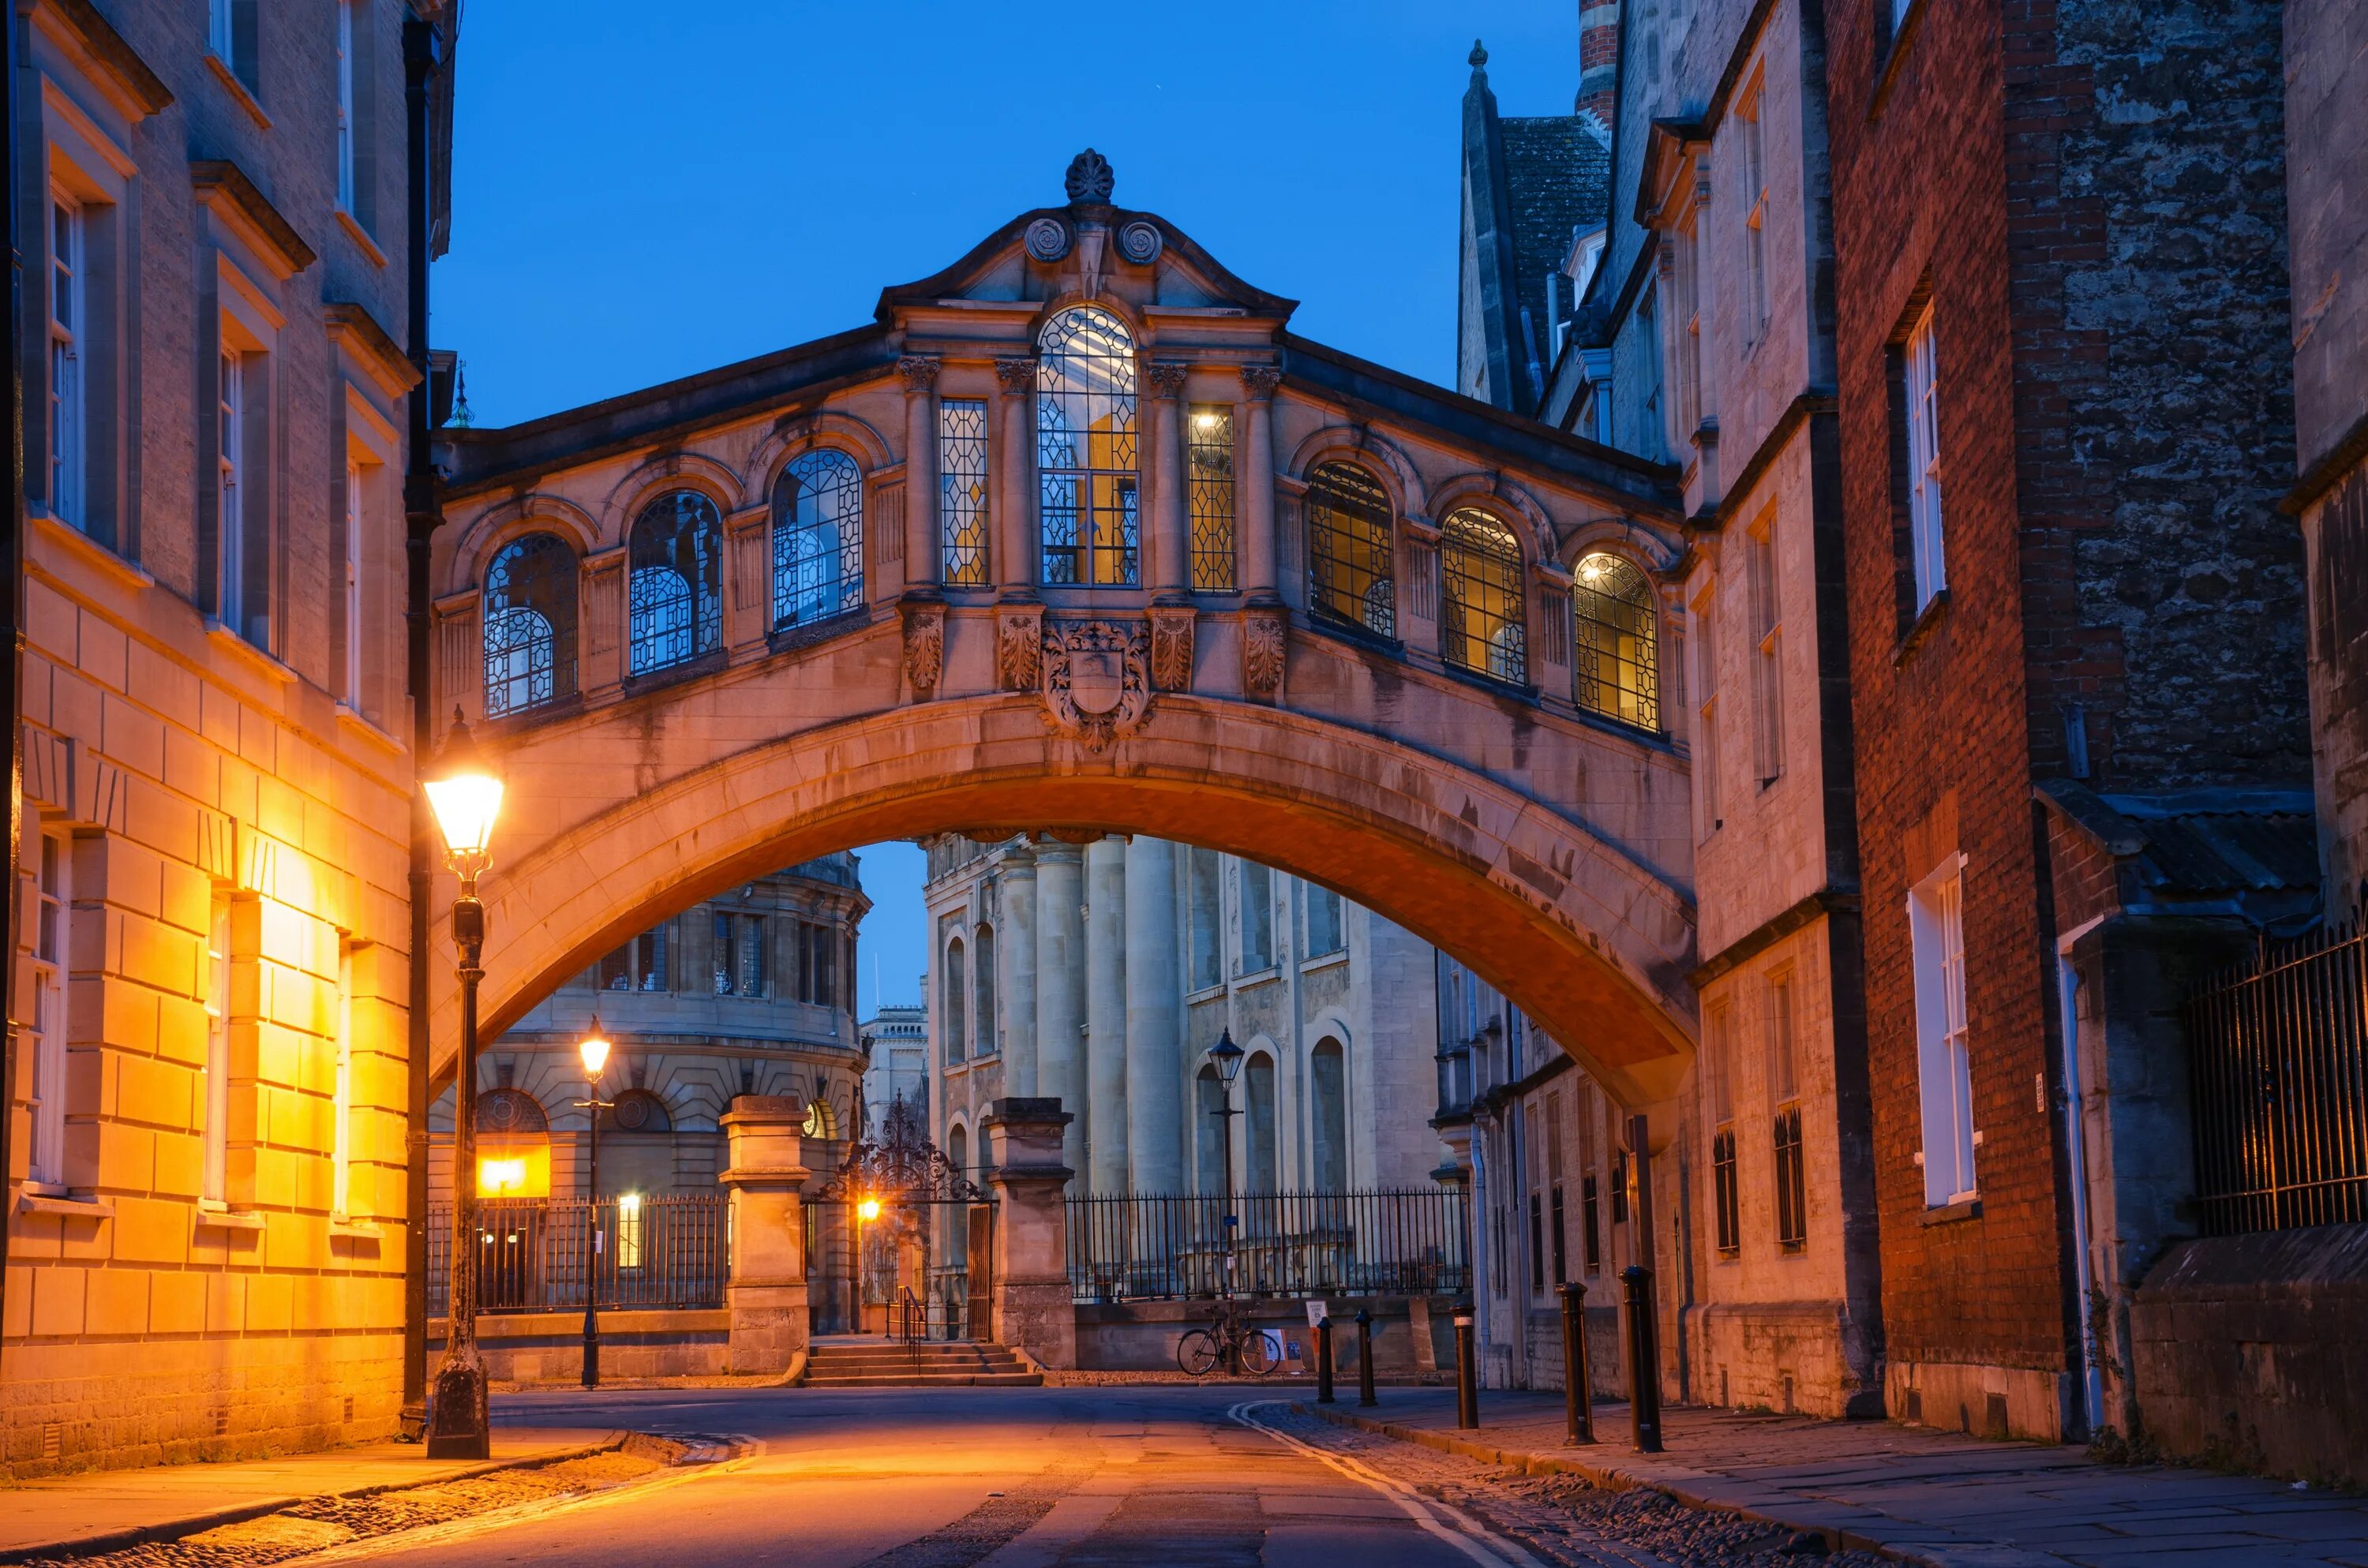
1618, 642
1327, 1079
1259, 1173
1349, 571
1208, 1153
1485, 626
1085, 449
819, 1122
677, 581
513, 1145
529, 625
637, 1110
509, 1113
817, 538
954, 1002
956, 1220
984, 1017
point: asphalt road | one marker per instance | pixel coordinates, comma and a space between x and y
1006, 1478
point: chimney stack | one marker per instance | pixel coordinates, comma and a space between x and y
1599, 61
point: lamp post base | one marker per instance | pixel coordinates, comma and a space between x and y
459, 1428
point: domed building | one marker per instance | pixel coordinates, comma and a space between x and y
752, 992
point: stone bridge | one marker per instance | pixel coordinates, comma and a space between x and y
1077, 537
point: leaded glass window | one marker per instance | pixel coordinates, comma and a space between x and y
962, 479
529, 625
1483, 626
1349, 542
1618, 642
817, 538
676, 590
1084, 449
1209, 452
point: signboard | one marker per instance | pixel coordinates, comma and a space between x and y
1318, 1314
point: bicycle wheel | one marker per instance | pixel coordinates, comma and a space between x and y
1257, 1353
1197, 1352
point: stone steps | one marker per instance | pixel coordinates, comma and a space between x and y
925, 1365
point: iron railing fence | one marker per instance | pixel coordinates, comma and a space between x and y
1284, 1243
2280, 1085
537, 1254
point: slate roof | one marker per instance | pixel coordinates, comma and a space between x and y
2254, 849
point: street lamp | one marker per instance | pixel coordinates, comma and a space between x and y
1227, 1057
466, 795
594, 1049
866, 1210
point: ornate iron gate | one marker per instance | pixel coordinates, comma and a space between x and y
900, 1240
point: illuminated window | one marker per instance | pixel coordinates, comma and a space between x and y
817, 540
1483, 626
629, 1231
1352, 577
1208, 452
529, 625
962, 506
1086, 480
1617, 643
677, 581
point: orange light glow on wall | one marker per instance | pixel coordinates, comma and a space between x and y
513, 1170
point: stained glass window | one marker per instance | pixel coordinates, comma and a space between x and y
677, 589
1484, 623
1349, 542
962, 478
1084, 449
1209, 449
1618, 642
817, 538
529, 625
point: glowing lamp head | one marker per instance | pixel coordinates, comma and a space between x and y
868, 1209
1227, 1056
465, 793
594, 1049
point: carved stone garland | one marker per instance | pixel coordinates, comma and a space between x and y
1019, 647
924, 645
1096, 679
1262, 652
1171, 646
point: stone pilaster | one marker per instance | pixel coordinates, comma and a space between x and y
1106, 992
767, 1295
1260, 570
1170, 529
1032, 1308
1017, 985
1060, 984
1155, 1110
919, 373
1015, 551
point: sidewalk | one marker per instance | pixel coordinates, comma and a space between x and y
1915, 1495
108, 1509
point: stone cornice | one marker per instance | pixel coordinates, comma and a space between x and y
352, 327
116, 69
224, 188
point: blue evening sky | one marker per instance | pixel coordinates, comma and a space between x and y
642, 193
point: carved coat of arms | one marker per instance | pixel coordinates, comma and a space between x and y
1096, 679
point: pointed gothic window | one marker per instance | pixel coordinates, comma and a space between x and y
1084, 449
1348, 549
817, 538
677, 581
529, 625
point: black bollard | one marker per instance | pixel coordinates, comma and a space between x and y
1324, 1359
1578, 1381
1644, 1360
1365, 1359
1467, 1376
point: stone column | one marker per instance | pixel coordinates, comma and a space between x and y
1170, 527
921, 563
1016, 945
1034, 1310
766, 1294
1061, 986
1106, 955
1261, 569
1015, 510
1155, 1113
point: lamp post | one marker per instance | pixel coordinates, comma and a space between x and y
1227, 1057
594, 1049
466, 795
866, 1211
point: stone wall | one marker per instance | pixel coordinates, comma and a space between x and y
527, 1349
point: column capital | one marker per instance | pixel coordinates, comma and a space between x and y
919, 371
1017, 376
1259, 380
1166, 377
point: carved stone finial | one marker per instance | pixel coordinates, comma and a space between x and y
1478, 58
920, 371
1259, 380
1090, 177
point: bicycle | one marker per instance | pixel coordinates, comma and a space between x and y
1229, 1340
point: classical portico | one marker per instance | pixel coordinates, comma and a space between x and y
1077, 536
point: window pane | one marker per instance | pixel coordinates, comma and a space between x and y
961, 480
677, 588
1484, 612
1350, 573
1209, 453
1085, 448
1617, 647
817, 538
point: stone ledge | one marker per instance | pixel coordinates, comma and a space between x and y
64, 1208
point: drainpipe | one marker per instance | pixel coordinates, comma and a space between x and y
14, 632
423, 509
2076, 1156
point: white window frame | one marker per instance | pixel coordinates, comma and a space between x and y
1943, 1058
69, 312
1921, 384
222, 31
214, 1180
341, 1137
345, 127
230, 464
53, 939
